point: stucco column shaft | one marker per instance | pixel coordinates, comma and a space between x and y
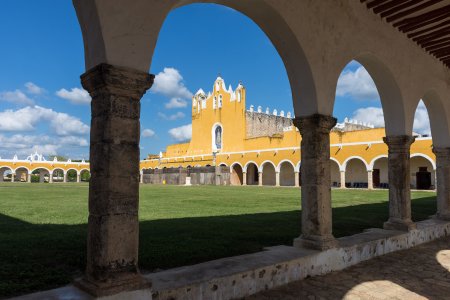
443, 182
244, 178
260, 175
78, 177
277, 178
12, 176
399, 183
297, 179
50, 178
370, 180
64, 177
316, 182
113, 226
28, 177
342, 174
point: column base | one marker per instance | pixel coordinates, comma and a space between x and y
400, 225
111, 287
188, 181
443, 216
316, 242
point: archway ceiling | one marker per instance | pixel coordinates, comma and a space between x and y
426, 22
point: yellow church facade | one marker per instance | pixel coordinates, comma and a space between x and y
262, 147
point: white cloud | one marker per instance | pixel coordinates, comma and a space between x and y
25, 119
147, 133
372, 115
357, 85
375, 116
24, 145
421, 120
176, 103
182, 133
17, 97
178, 115
75, 95
34, 89
169, 83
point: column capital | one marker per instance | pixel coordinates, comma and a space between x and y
322, 123
399, 143
442, 152
120, 80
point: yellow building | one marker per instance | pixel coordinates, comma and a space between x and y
263, 147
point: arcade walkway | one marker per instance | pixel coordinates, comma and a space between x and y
422, 272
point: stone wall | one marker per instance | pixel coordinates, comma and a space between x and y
199, 176
262, 124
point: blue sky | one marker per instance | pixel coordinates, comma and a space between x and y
43, 108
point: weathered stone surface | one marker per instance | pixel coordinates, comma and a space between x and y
113, 229
262, 124
399, 182
316, 191
443, 182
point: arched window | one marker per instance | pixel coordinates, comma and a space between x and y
220, 101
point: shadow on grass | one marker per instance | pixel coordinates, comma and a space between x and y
38, 257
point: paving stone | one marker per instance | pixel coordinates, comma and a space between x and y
418, 273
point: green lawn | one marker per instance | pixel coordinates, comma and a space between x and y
43, 226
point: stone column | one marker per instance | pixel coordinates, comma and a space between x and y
260, 174
113, 226
244, 178
297, 179
50, 177
342, 173
141, 177
28, 177
443, 182
370, 179
399, 183
12, 176
277, 178
316, 182
65, 177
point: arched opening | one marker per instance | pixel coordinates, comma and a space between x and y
287, 174
6, 174
356, 173
268, 174
58, 175
21, 175
85, 175
422, 173
236, 176
40, 175
71, 175
217, 140
380, 173
335, 173
252, 174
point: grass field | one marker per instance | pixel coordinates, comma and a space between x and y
43, 226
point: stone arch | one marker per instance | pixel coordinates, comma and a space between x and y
268, 170
21, 174
422, 170
111, 38
391, 97
59, 175
42, 173
5, 172
355, 172
287, 173
335, 175
344, 164
85, 175
71, 175
379, 167
237, 175
251, 173
439, 124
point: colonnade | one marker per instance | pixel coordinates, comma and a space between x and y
25, 175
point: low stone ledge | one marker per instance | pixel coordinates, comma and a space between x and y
240, 276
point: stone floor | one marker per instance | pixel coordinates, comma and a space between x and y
422, 272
